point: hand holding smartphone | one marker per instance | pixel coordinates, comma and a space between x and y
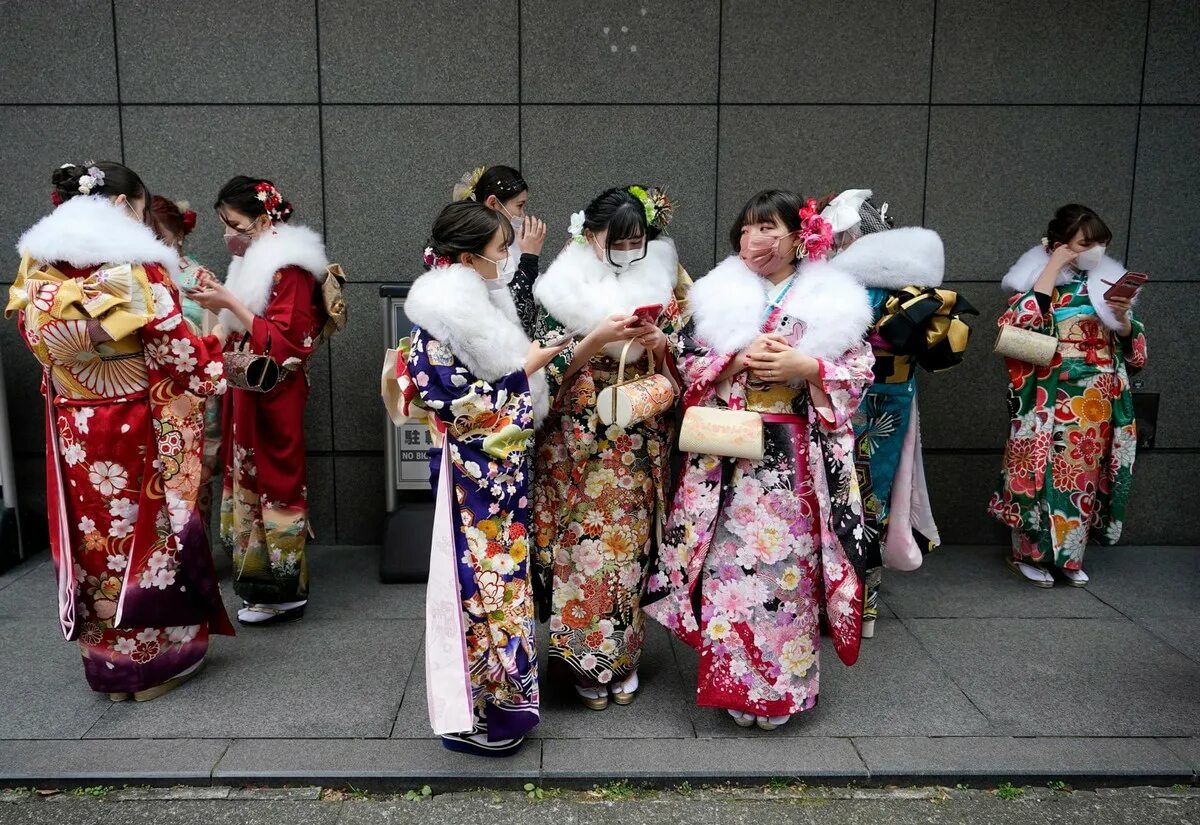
1126, 287
648, 314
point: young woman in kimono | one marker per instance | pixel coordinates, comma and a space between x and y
270, 305
891, 473
1068, 463
124, 380
173, 222
502, 188
755, 549
480, 379
600, 492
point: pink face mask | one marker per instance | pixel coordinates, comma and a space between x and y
763, 255
237, 242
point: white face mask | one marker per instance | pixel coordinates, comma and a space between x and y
623, 259
517, 222
504, 273
1090, 258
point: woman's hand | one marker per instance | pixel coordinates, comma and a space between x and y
538, 356
652, 338
781, 364
616, 328
533, 236
1061, 256
212, 294
1122, 308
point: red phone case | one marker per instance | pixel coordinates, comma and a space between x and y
648, 313
1126, 286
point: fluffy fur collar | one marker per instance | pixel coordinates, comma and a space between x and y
481, 327
581, 291
909, 256
86, 231
1025, 271
728, 306
252, 275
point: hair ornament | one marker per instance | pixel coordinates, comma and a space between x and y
465, 188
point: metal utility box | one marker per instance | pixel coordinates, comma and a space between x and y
406, 534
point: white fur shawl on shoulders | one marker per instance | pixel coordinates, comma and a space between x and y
480, 326
1024, 274
252, 275
728, 305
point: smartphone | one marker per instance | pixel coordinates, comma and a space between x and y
550, 343
649, 313
1126, 286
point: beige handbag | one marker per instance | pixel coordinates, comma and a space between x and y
627, 403
1026, 345
714, 431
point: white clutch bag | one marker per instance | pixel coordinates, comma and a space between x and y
730, 433
1026, 345
627, 403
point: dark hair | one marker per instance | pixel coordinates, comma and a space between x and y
118, 180
1073, 218
622, 214
502, 181
168, 216
766, 207
242, 193
466, 226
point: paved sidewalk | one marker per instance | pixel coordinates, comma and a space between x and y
973, 676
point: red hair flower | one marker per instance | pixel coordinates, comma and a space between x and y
816, 233
432, 260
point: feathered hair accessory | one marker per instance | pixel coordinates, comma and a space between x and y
465, 188
659, 207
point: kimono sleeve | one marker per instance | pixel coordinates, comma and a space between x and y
458, 398
1134, 346
699, 365
521, 289
289, 325
1025, 310
843, 382
548, 328
193, 362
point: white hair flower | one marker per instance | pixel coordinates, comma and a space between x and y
576, 226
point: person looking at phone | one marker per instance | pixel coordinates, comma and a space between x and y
1072, 441
600, 492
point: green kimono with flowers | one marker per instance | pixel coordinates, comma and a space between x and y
1068, 463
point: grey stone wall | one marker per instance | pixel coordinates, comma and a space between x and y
973, 118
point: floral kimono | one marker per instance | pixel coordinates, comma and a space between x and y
891, 471
1068, 463
755, 549
187, 276
264, 498
124, 382
600, 492
466, 357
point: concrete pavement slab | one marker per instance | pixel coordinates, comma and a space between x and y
1067, 677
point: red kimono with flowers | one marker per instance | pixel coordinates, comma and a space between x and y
124, 383
264, 502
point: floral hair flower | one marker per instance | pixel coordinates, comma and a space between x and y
465, 189
576, 226
432, 260
816, 233
273, 203
94, 179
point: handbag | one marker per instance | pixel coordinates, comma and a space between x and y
252, 371
627, 403
1022, 344
715, 431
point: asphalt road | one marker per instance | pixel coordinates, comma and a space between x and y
612, 804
